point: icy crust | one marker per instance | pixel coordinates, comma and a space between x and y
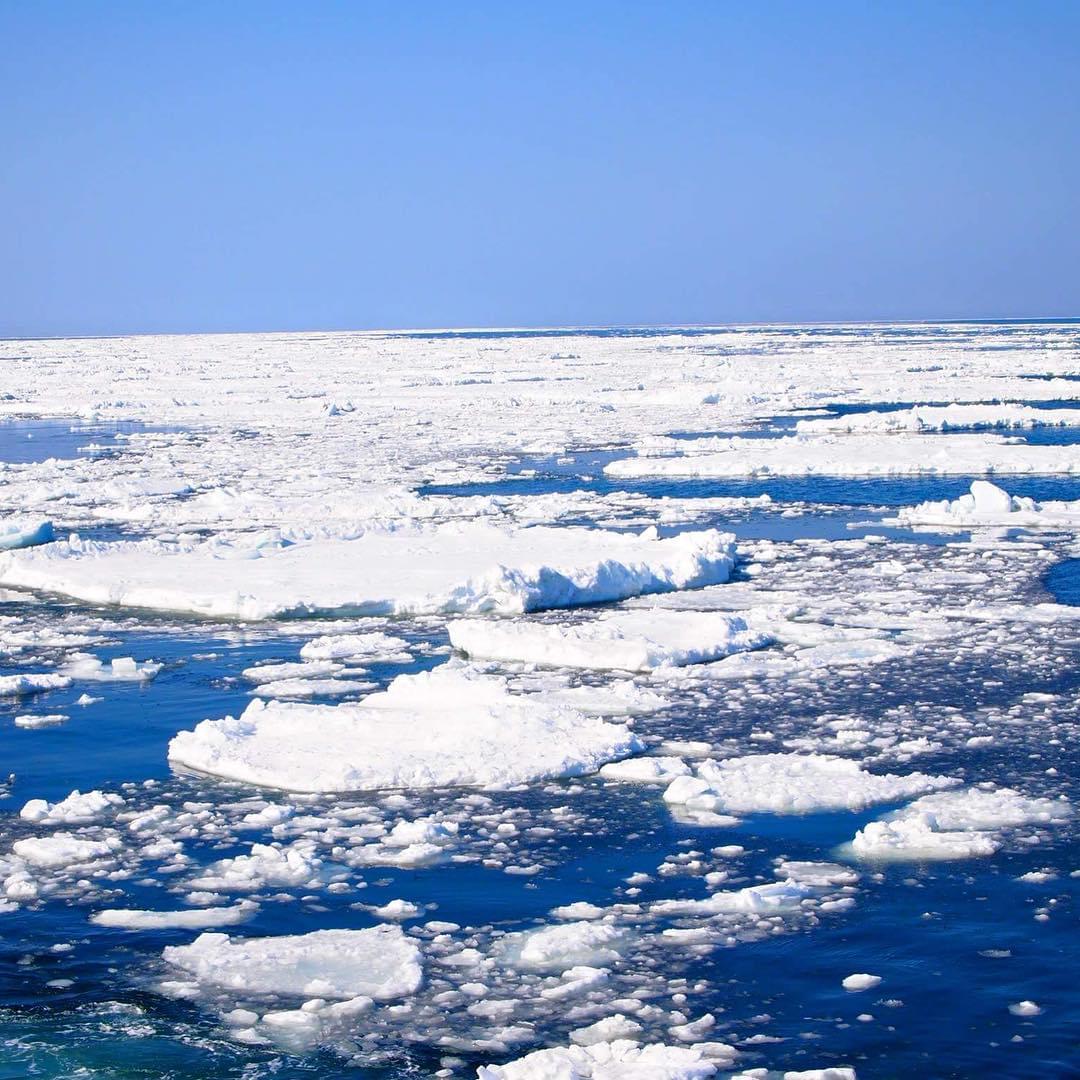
380, 963
852, 455
456, 567
989, 505
942, 418
639, 640
442, 728
789, 784
955, 825
622, 1059
24, 532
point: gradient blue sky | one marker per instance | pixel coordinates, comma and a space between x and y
231, 165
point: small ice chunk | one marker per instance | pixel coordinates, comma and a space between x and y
861, 981
198, 919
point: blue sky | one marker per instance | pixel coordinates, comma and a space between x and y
231, 166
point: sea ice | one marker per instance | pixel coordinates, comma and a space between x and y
197, 919
15, 533
789, 784
638, 640
379, 962
435, 729
954, 825
1008, 414
622, 1059
455, 567
988, 505
853, 455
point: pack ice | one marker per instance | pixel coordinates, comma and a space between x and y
442, 728
457, 567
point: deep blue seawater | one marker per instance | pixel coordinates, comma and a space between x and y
955, 942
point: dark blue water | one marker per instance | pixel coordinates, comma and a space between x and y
24, 441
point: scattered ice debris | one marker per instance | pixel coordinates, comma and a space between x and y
788, 784
620, 1059
264, 866
270, 673
565, 945
22, 533
379, 963
1008, 414
988, 505
861, 981
86, 668
442, 728
955, 825
456, 567
638, 640
197, 919
374, 647
76, 809
849, 455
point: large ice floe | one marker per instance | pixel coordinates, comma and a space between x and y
380, 963
436, 729
639, 640
472, 567
988, 505
847, 455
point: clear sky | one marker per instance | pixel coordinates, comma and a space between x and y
176, 166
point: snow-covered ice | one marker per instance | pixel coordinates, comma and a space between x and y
379, 962
790, 784
853, 455
435, 729
638, 640
471, 568
988, 505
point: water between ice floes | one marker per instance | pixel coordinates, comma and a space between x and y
950, 940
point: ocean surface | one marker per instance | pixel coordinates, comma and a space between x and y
955, 943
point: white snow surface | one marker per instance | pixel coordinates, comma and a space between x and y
637, 640
441, 728
455, 567
379, 962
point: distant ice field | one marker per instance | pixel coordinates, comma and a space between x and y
691, 776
